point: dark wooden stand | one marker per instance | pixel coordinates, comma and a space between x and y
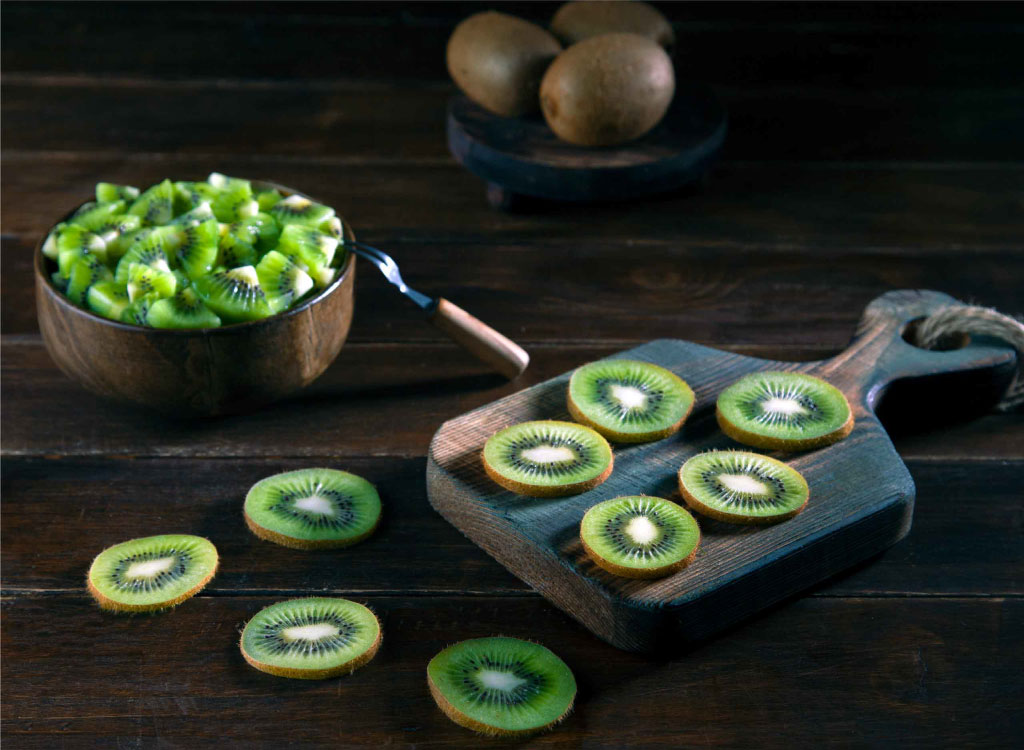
522, 157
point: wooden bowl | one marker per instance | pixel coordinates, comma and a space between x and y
201, 372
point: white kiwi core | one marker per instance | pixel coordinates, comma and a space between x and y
313, 632
629, 396
785, 406
549, 454
150, 568
641, 530
743, 483
505, 681
315, 504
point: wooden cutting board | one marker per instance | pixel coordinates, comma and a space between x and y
861, 501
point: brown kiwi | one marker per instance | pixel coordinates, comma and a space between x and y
574, 22
498, 61
607, 90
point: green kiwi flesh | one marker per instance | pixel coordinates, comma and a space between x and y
282, 279
151, 573
184, 310
547, 458
311, 639
743, 488
235, 295
640, 536
313, 508
629, 402
501, 686
784, 411
108, 298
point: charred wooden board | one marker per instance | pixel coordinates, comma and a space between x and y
862, 496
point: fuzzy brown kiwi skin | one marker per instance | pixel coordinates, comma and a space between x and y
746, 437
317, 674
294, 543
531, 490
470, 723
634, 437
647, 574
112, 605
695, 504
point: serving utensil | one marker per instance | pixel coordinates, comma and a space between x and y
472, 334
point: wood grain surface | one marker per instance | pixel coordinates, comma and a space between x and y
871, 147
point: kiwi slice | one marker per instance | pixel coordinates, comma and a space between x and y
282, 279
156, 205
197, 249
137, 313
108, 298
298, 210
311, 639
501, 686
786, 411
107, 192
547, 458
86, 271
742, 487
151, 573
235, 294
233, 252
98, 217
149, 282
629, 402
311, 248
72, 242
313, 508
261, 231
183, 310
196, 215
640, 536
267, 199
150, 247
232, 198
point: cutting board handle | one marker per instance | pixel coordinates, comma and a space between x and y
880, 353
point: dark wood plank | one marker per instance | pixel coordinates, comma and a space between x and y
859, 45
59, 513
212, 118
878, 673
789, 206
376, 399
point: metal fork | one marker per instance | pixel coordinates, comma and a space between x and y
472, 334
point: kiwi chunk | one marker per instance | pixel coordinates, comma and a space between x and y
282, 279
547, 458
295, 209
149, 282
231, 198
312, 249
313, 509
99, 217
741, 487
501, 686
72, 242
151, 573
183, 310
235, 295
267, 199
156, 205
151, 247
86, 271
108, 298
629, 402
107, 192
640, 536
786, 411
197, 248
311, 639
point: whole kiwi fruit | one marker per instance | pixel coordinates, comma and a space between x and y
608, 89
574, 22
498, 61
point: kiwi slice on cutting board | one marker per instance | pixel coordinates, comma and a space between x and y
629, 402
547, 458
311, 639
786, 411
313, 509
501, 686
741, 487
640, 536
155, 572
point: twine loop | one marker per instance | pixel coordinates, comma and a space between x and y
957, 320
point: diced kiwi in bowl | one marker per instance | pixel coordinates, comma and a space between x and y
196, 297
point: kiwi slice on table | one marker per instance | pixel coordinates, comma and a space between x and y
786, 411
311, 639
296, 209
640, 536
156, 205
629, 402
547, 458
235, 294
501, 686
313, 508
282, 279
108, 298
107, 192
741, 487
183, 310
151, 573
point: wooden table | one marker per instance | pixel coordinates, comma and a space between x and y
871, 148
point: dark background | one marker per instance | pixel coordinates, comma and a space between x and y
871, 147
